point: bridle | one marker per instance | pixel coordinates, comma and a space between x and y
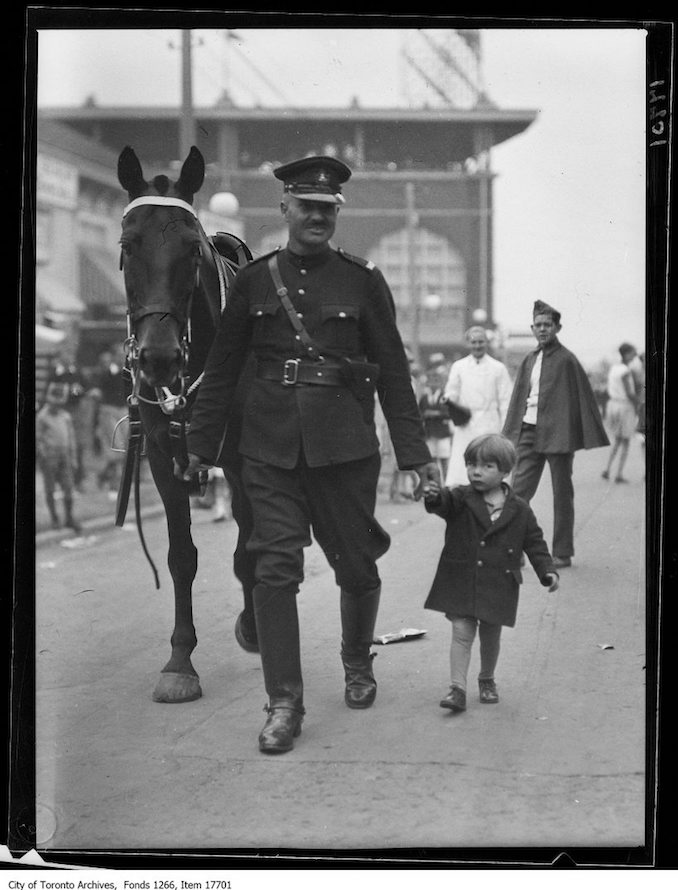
169, 402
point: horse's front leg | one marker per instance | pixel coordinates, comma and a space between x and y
179, 681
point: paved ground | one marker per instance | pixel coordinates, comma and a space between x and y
559, 762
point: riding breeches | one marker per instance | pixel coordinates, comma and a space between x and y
336, 503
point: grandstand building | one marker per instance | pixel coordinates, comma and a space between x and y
419, 203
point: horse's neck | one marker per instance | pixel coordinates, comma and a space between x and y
212, 280
215, 283
203, 330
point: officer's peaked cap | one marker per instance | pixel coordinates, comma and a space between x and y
314, 179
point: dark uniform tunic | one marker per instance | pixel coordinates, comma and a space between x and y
311, 453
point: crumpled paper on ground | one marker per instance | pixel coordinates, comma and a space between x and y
405, 633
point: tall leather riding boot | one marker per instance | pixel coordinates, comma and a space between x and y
358, 618
278, 635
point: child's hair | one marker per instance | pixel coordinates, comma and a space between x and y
492, 447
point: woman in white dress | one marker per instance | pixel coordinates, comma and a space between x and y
481, 384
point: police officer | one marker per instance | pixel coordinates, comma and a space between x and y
309, 445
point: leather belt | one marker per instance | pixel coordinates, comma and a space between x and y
295, 370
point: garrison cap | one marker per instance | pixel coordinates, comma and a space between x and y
314, 179
541, 308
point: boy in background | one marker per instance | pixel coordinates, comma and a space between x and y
56, 451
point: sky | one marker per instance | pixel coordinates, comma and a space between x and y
569, 193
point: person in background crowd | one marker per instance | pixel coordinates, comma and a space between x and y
66, 372
221, 494
481, 384
56, 451
637, 367
552, 414
436, 418
322, 326
109, 389
476, 584
622, 408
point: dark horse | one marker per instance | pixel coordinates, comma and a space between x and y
177, 280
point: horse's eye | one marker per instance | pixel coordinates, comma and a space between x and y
126, 247
196, 250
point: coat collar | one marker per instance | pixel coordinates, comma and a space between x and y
478, 506
548, 350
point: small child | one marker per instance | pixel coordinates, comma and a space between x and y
478, 577
56, 451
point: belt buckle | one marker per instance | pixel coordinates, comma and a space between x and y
290, 371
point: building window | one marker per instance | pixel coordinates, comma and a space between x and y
439, 268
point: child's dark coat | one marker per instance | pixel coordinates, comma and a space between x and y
479, 573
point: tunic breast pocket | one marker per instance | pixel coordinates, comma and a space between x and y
264, 316
340, 325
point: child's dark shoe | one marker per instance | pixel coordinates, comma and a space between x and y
455, 700
488, 692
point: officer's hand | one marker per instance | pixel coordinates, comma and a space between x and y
553, 581
195, 464
427, 473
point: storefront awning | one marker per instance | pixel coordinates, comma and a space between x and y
53, 296
47, 340
101, 281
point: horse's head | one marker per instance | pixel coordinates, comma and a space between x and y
162, 244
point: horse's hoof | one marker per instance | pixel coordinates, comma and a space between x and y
246, 633
175, 689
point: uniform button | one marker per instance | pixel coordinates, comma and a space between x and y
480, 562
300, 314
510, 550
301, 291
342, 315
302, 271
297, 337
482, 544
259, 312
508, 571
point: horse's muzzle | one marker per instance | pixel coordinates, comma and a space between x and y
160, 366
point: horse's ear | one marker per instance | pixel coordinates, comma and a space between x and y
130, 174
192, 175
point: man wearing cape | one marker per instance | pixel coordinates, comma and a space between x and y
552, 414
